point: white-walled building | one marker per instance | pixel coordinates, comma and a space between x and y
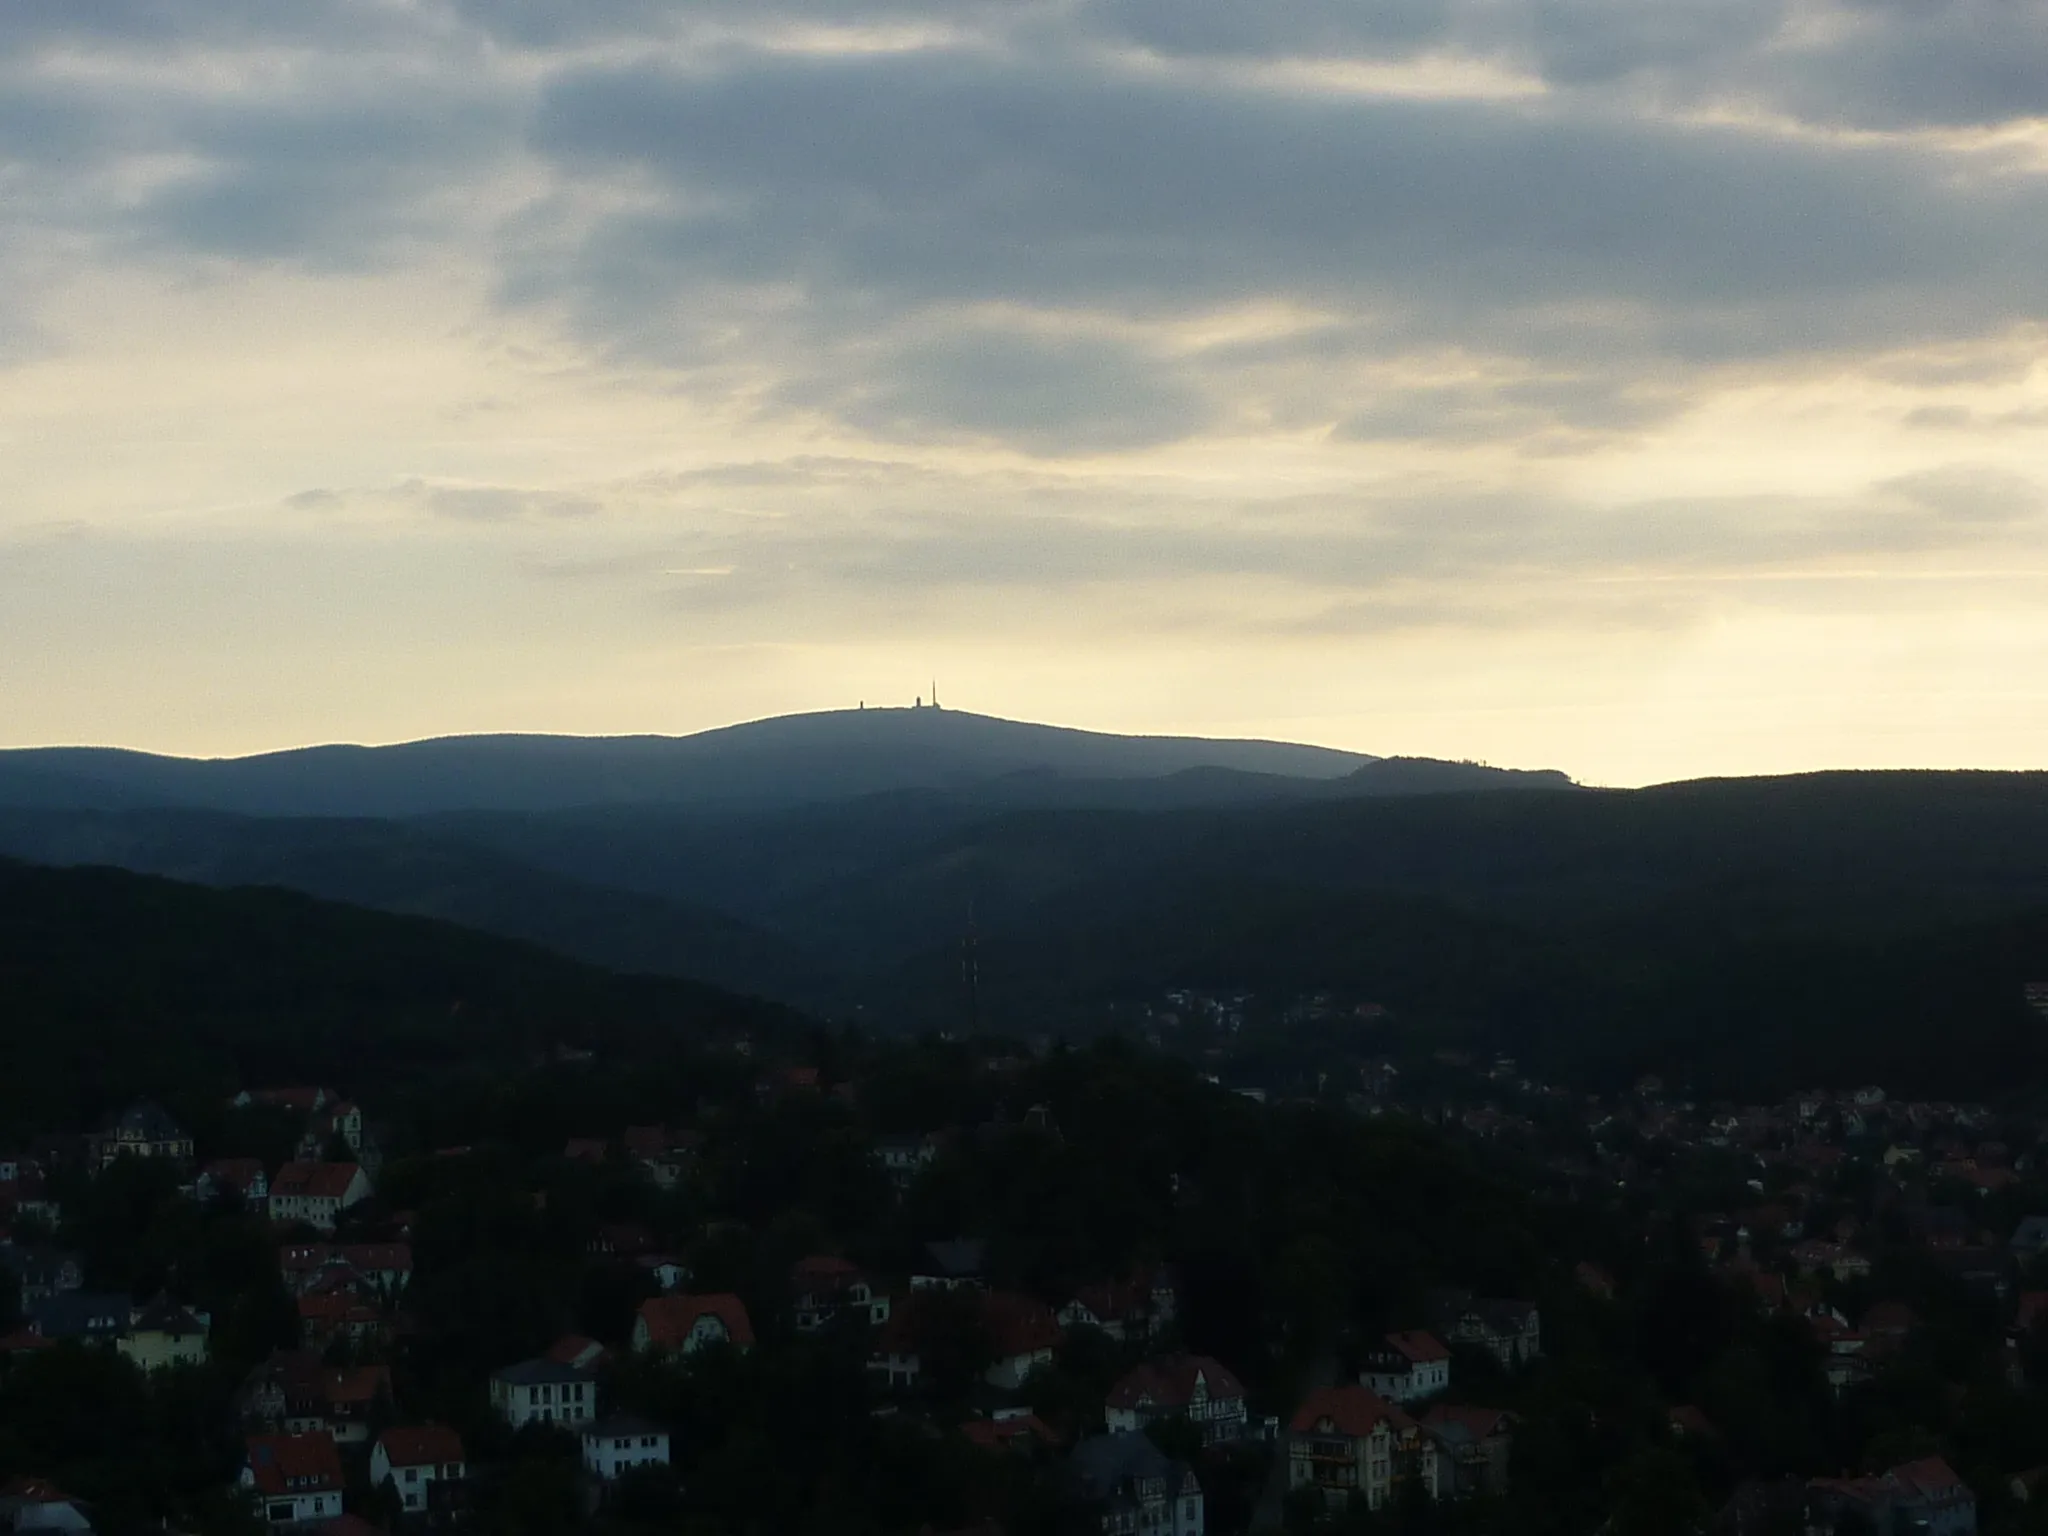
543, 1392
613, 1446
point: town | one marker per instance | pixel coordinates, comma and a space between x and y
958, 1285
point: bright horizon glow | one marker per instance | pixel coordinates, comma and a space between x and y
1649, 395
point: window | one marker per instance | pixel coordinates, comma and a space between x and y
412, 1474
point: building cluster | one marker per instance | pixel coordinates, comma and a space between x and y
1398, 1427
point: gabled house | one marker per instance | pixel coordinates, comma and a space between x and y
164, 1334
41, 1270
241, 1178
543, 1391
1919, 1498
615, 1446
421, 1462
1349, 1440
33, 1504
1510, 1329
144, 1129
904, 1157
686, 1324
826, 1287
1472, 1446
317, 1193
296, 1478
1128, 1486
382, 1269
1407, 1367
1138, 1307
91, 1317
1023, 1333
1194, 1387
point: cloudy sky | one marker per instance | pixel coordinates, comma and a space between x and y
1642, 389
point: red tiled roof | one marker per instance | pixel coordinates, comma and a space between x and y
574, 1349
1018, 1325
283, 1464
1354, 1411
319, 1181
1169, 1383
669, 1319
35, 1490
1006, 1434
1417, 1347
1932, 1476
350, 1386
24, 1339
421, 1445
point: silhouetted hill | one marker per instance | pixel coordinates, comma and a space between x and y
793, 758
119, 985
406, 868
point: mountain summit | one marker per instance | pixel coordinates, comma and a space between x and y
784, 760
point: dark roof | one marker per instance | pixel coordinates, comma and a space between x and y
1103, 1464
421, 1445
80, 1314
164, 1315
149, 1120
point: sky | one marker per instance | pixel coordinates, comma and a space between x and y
1645, 390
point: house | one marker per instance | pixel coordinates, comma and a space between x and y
241, 1178
1511, 1330
41, 1270
1129, 1485
24, 1191
1349, 1440
164, 1334
317, 1193
1134, 1308
340, 1312
1472, 1446
340, 1122
686, 1324
32, 1504
1193, 1387
615, 1446
958, 1264
897, 1355
543, 1392
90, 1317
342, 1400
826, 1287
144, 1129
1923, 1498
418, 1461
1407, 1368
296, 1478
2030, 1238
1023, 1333
384, 1269
904, 1157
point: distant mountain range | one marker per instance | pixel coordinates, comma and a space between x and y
789, 760
1758, 932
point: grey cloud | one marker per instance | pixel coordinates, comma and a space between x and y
881, 188
1053, 396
